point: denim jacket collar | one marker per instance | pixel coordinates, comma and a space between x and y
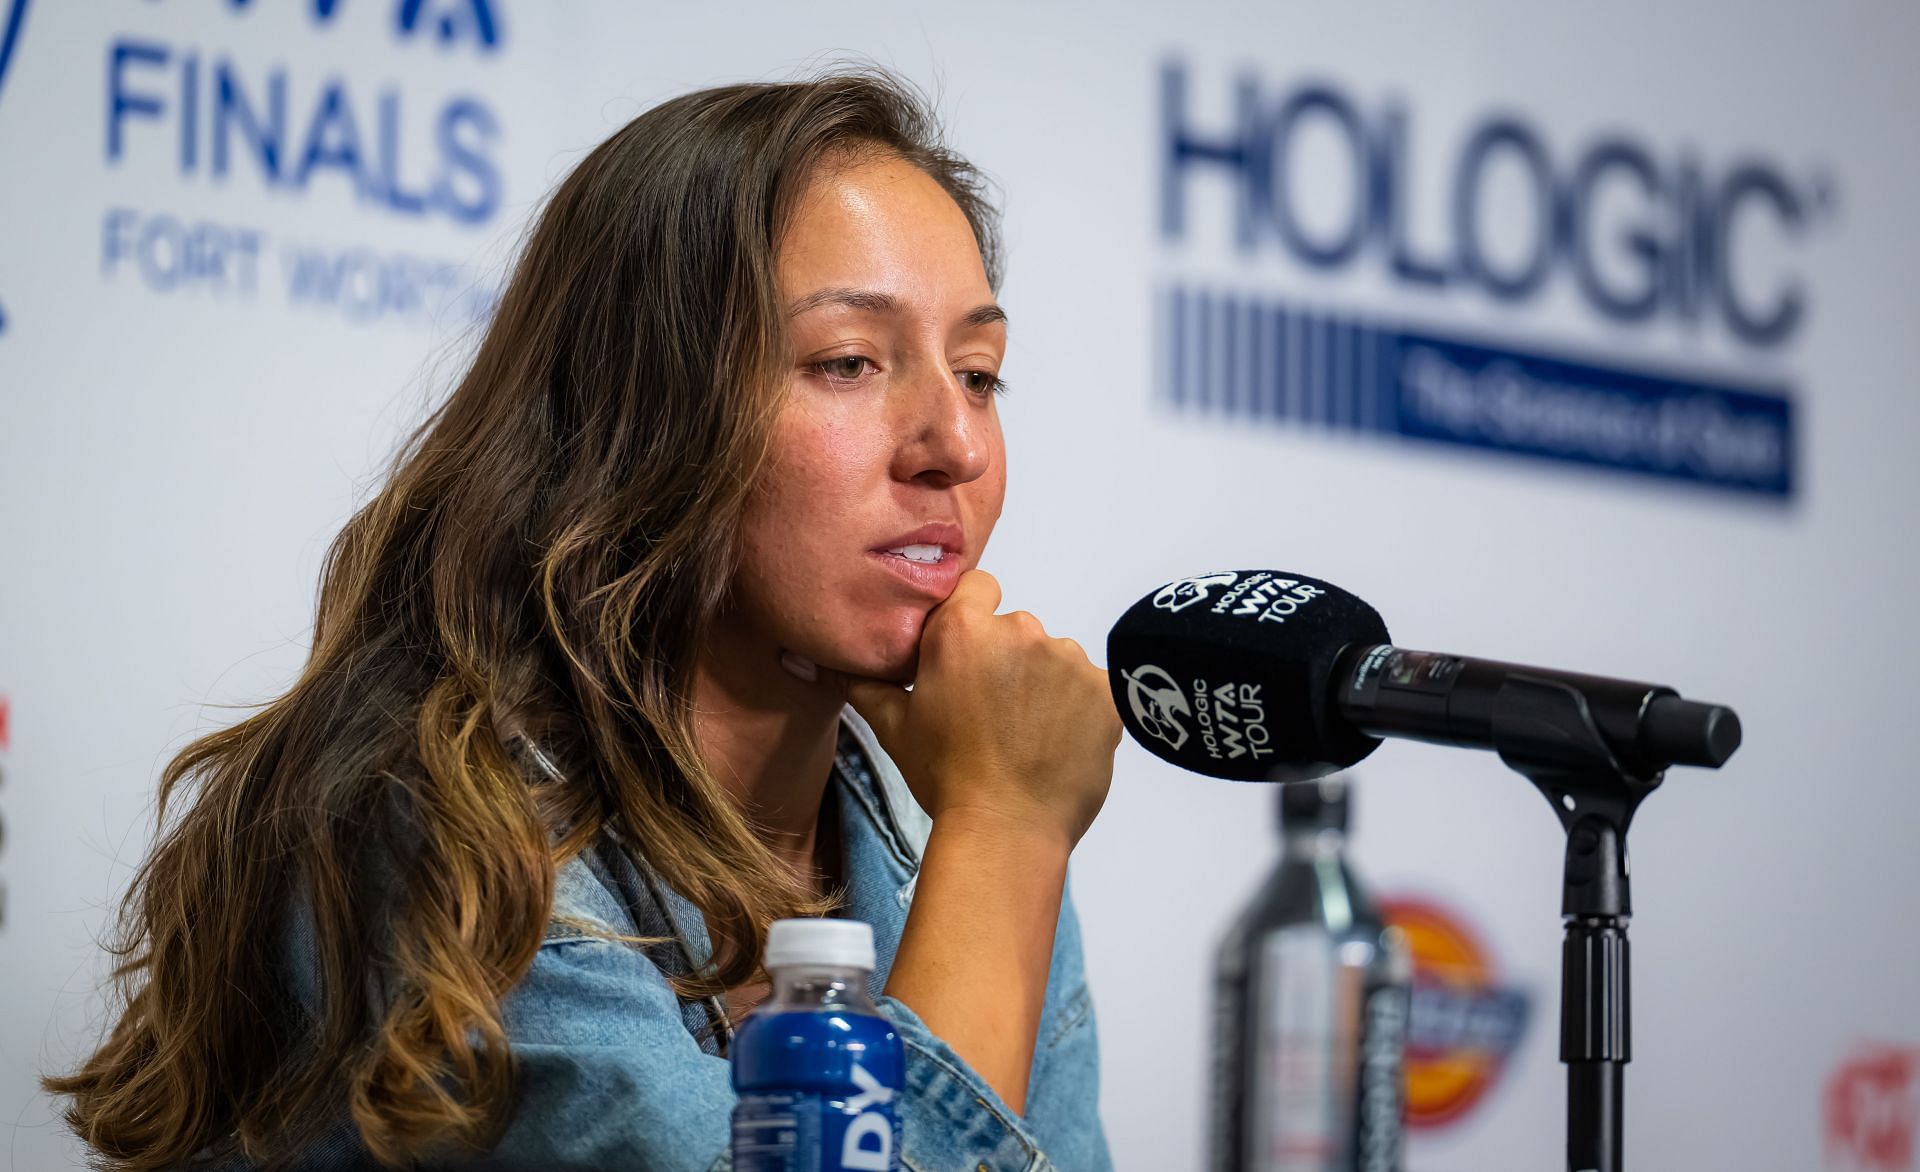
883, 836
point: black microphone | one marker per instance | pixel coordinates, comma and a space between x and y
1260, 675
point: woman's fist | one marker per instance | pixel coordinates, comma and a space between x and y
1004, 721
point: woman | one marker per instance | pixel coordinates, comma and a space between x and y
489, 884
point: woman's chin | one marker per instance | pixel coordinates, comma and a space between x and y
897, 667
891, 654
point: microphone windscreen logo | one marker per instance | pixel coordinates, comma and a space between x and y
1155, 699
1178, 596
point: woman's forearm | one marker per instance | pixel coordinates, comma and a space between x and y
974, 956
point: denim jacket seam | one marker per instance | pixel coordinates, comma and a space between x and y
868, 806
558, 933
1077, 1009
873, 805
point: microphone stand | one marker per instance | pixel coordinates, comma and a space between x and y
1545, 731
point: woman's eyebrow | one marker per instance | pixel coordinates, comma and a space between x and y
874, 301
981, 315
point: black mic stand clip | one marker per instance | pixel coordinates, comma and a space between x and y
1545, 730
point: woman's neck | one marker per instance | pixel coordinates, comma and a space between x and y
769, 739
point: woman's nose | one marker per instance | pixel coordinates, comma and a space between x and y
945, 431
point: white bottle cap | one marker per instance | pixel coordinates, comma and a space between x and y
827, 942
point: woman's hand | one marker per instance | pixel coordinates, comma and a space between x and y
1005, 724
1007, 740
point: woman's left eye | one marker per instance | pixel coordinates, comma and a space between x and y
984, 381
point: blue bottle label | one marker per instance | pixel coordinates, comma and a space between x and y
789, 1131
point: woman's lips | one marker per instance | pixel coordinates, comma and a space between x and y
935, 579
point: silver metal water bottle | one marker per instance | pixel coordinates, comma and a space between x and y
1310, 1012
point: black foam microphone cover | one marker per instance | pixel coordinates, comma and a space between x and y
1229, 674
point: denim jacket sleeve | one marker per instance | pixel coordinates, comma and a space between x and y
609, 1078
610, 1075
963, 1123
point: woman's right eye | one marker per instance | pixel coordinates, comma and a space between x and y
844, 369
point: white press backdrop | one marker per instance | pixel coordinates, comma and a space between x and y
212, 331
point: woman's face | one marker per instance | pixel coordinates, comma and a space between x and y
887, 469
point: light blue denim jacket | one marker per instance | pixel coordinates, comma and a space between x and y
616, 1071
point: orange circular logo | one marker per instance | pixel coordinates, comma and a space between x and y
1463, 1024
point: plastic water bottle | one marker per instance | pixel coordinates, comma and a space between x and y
1311, 1002
817, 1068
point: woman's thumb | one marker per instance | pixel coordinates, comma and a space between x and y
881, 704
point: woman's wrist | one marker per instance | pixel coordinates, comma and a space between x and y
1026, 830
975, 956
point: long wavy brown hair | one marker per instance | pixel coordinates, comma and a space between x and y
543, 559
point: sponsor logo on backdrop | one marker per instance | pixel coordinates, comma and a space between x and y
1871, 1109
1646, 237
1465, 1020
317, 121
